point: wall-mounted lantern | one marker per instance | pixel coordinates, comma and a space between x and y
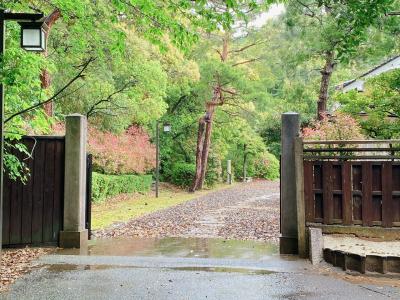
33, 36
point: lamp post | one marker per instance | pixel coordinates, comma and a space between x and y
166, 128
32, 39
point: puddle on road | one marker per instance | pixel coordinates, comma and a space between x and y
177, 247
225, 270
72, 267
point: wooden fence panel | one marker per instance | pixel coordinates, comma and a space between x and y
337, 191
387, 203
363, 193
308, 191
27, 202
327, 192
33, 212
377, 194
347, 197
366, 193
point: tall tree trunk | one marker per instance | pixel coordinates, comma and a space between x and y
199, 154
325, 80
45, 75
45, 84
206, 149
205, 126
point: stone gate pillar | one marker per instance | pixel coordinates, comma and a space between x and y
74, 234
289, 233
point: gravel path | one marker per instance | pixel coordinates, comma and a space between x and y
248, 211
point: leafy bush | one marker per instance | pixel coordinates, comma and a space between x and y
214, 170
182, 174
266, 166
106, 186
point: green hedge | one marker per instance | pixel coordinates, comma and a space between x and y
182, 174
106, 186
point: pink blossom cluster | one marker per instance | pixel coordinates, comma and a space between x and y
341, 126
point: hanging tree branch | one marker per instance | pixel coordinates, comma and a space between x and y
95, 108
247, 47
247, 61
56, 95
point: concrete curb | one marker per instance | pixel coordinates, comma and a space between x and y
362, 264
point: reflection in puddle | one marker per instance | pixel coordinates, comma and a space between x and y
177, 247
72, 267
225, 270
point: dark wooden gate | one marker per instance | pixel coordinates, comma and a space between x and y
33, 212
352, 185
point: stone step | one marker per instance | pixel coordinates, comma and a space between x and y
362, 263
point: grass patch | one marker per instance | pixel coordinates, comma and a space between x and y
129, 206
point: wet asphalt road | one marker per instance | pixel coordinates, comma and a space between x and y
194, 264
177, 268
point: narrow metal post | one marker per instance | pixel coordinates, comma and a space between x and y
157, 157
2, 48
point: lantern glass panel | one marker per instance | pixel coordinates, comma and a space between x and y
33, 37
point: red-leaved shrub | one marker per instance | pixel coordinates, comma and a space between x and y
128, 153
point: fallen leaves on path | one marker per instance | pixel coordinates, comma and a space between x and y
16, 262
248, 211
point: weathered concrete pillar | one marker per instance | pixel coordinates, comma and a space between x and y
316, 245
290, 130
229, 172
74, 234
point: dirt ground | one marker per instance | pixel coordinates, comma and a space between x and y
16, 262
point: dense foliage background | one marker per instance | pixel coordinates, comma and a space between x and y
127, 63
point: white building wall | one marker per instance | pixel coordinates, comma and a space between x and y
359, 83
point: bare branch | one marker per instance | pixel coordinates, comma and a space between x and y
96, 106
219, 53
309, 12
247, 61
233, 93
56, 95
247, 47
